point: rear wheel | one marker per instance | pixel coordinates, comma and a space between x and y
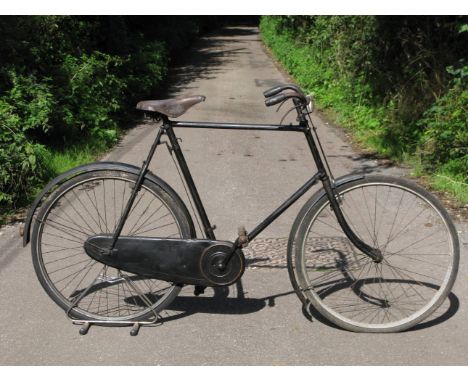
92, 204
412, 230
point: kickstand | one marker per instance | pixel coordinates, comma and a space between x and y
84, 329
135, 329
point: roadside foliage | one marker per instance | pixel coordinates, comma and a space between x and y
399, 82
69, 84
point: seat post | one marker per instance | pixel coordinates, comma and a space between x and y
166, 122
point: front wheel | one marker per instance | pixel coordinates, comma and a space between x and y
406, 223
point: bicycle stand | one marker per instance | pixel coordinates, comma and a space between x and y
136, 325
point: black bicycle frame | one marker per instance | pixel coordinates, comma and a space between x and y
303, 127
234, 126
237, 126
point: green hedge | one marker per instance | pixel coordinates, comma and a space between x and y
68, 84
398, 82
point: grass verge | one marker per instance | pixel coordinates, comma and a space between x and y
59, 161
373, 126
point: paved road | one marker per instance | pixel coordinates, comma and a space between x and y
241, 176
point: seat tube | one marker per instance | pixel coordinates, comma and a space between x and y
189, 181
136, 189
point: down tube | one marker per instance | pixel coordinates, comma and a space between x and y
293, 198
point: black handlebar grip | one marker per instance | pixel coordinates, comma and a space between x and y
275, 100
277, 89
273, 91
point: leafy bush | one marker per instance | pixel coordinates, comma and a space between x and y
23, 163
68, 83
91, 94
363, 66
385, 77
445, 140
33, 101
144, 70
315, 68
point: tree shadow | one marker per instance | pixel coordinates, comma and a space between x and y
367, 163
371, 163
206, 59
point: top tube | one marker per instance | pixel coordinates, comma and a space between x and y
238, 126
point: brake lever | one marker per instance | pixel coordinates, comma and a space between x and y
290, 110
286, 114
281, 104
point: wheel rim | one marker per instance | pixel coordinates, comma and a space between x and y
406, 286
90, 207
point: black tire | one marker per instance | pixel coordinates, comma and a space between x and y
91, 203
350, 290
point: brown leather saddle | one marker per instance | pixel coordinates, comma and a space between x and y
173, 107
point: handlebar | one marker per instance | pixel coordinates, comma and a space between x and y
297, 97
279, 88
275, 100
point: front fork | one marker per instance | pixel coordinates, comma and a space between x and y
374, 253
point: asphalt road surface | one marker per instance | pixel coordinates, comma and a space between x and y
241, 177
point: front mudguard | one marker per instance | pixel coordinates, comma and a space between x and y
320, 194
97, 166
297, 223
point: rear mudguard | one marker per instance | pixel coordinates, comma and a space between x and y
97, 166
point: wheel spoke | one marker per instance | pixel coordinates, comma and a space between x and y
90, 207
350, 287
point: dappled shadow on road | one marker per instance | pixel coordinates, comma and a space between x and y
365, 163
247, 30
370, 163
206, 58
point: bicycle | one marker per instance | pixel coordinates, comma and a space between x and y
113, 243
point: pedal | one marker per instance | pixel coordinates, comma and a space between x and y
243, 238
199, 290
